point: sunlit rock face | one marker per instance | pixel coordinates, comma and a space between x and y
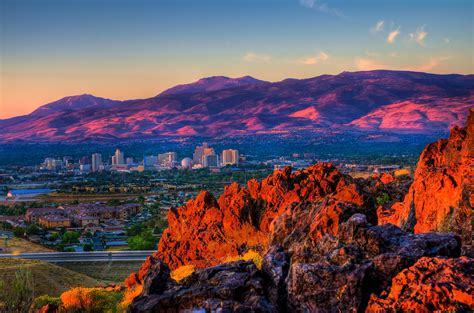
441, 196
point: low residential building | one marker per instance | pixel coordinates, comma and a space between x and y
33, 214
54, 221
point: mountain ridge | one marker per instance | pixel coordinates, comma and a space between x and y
218, 105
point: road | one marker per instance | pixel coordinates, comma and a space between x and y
95, 256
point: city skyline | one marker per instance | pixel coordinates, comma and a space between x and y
100, 47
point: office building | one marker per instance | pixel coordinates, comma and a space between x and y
96, 162
210, 160
230, 157
167, 159
150, 160
118, 158
200, 152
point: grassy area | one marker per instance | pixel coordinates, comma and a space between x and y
19, 245
114, 272
47, 278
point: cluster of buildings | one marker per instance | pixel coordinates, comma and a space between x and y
80, 215
204, 156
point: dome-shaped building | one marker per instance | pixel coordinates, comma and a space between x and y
187, 163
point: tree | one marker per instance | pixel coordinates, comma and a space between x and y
70, 237
135, 229
143, 241
18, 232
32, 230
88, 247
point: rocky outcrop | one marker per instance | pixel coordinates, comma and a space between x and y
334, 273
431, 284
441, 196
205, 231
230, 287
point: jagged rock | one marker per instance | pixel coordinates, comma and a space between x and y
340, 273
205, 231
441, 196
431, 284
230, 287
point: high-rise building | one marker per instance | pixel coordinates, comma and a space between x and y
167, 159
202, 151
210, 160
52, 164
230, 157
96, 162
118, 158
150, 160
129, 161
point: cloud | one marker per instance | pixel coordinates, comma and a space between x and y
419, 36
446, 40
429, 65
312, 60
378, 27
392, 35
320, 6
369, 64
254, 57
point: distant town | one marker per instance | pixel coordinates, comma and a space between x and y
103, 202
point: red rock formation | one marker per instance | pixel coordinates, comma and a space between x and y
205, 231
441, 196
432, 284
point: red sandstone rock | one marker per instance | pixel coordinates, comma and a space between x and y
430, 284
441, 196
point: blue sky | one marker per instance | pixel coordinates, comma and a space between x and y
124, 49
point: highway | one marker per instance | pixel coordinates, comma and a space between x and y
95, 256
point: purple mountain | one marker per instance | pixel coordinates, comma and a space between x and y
374, 101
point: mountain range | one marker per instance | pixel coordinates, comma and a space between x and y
370, 101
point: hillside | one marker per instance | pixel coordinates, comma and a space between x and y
47, 278
373, 101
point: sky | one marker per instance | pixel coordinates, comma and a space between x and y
129, 49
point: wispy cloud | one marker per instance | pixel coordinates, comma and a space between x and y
392, 35
419, 36
315, 59
369, 64
254, 57
321, 6
429, 65
378, 27
446, 40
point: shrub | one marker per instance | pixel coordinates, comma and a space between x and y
249, 255
41, 301
129, 295
82, 299
182, 272
19, 295
383, 198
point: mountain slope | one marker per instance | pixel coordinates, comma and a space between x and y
212, 83
74, 103
352, 101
